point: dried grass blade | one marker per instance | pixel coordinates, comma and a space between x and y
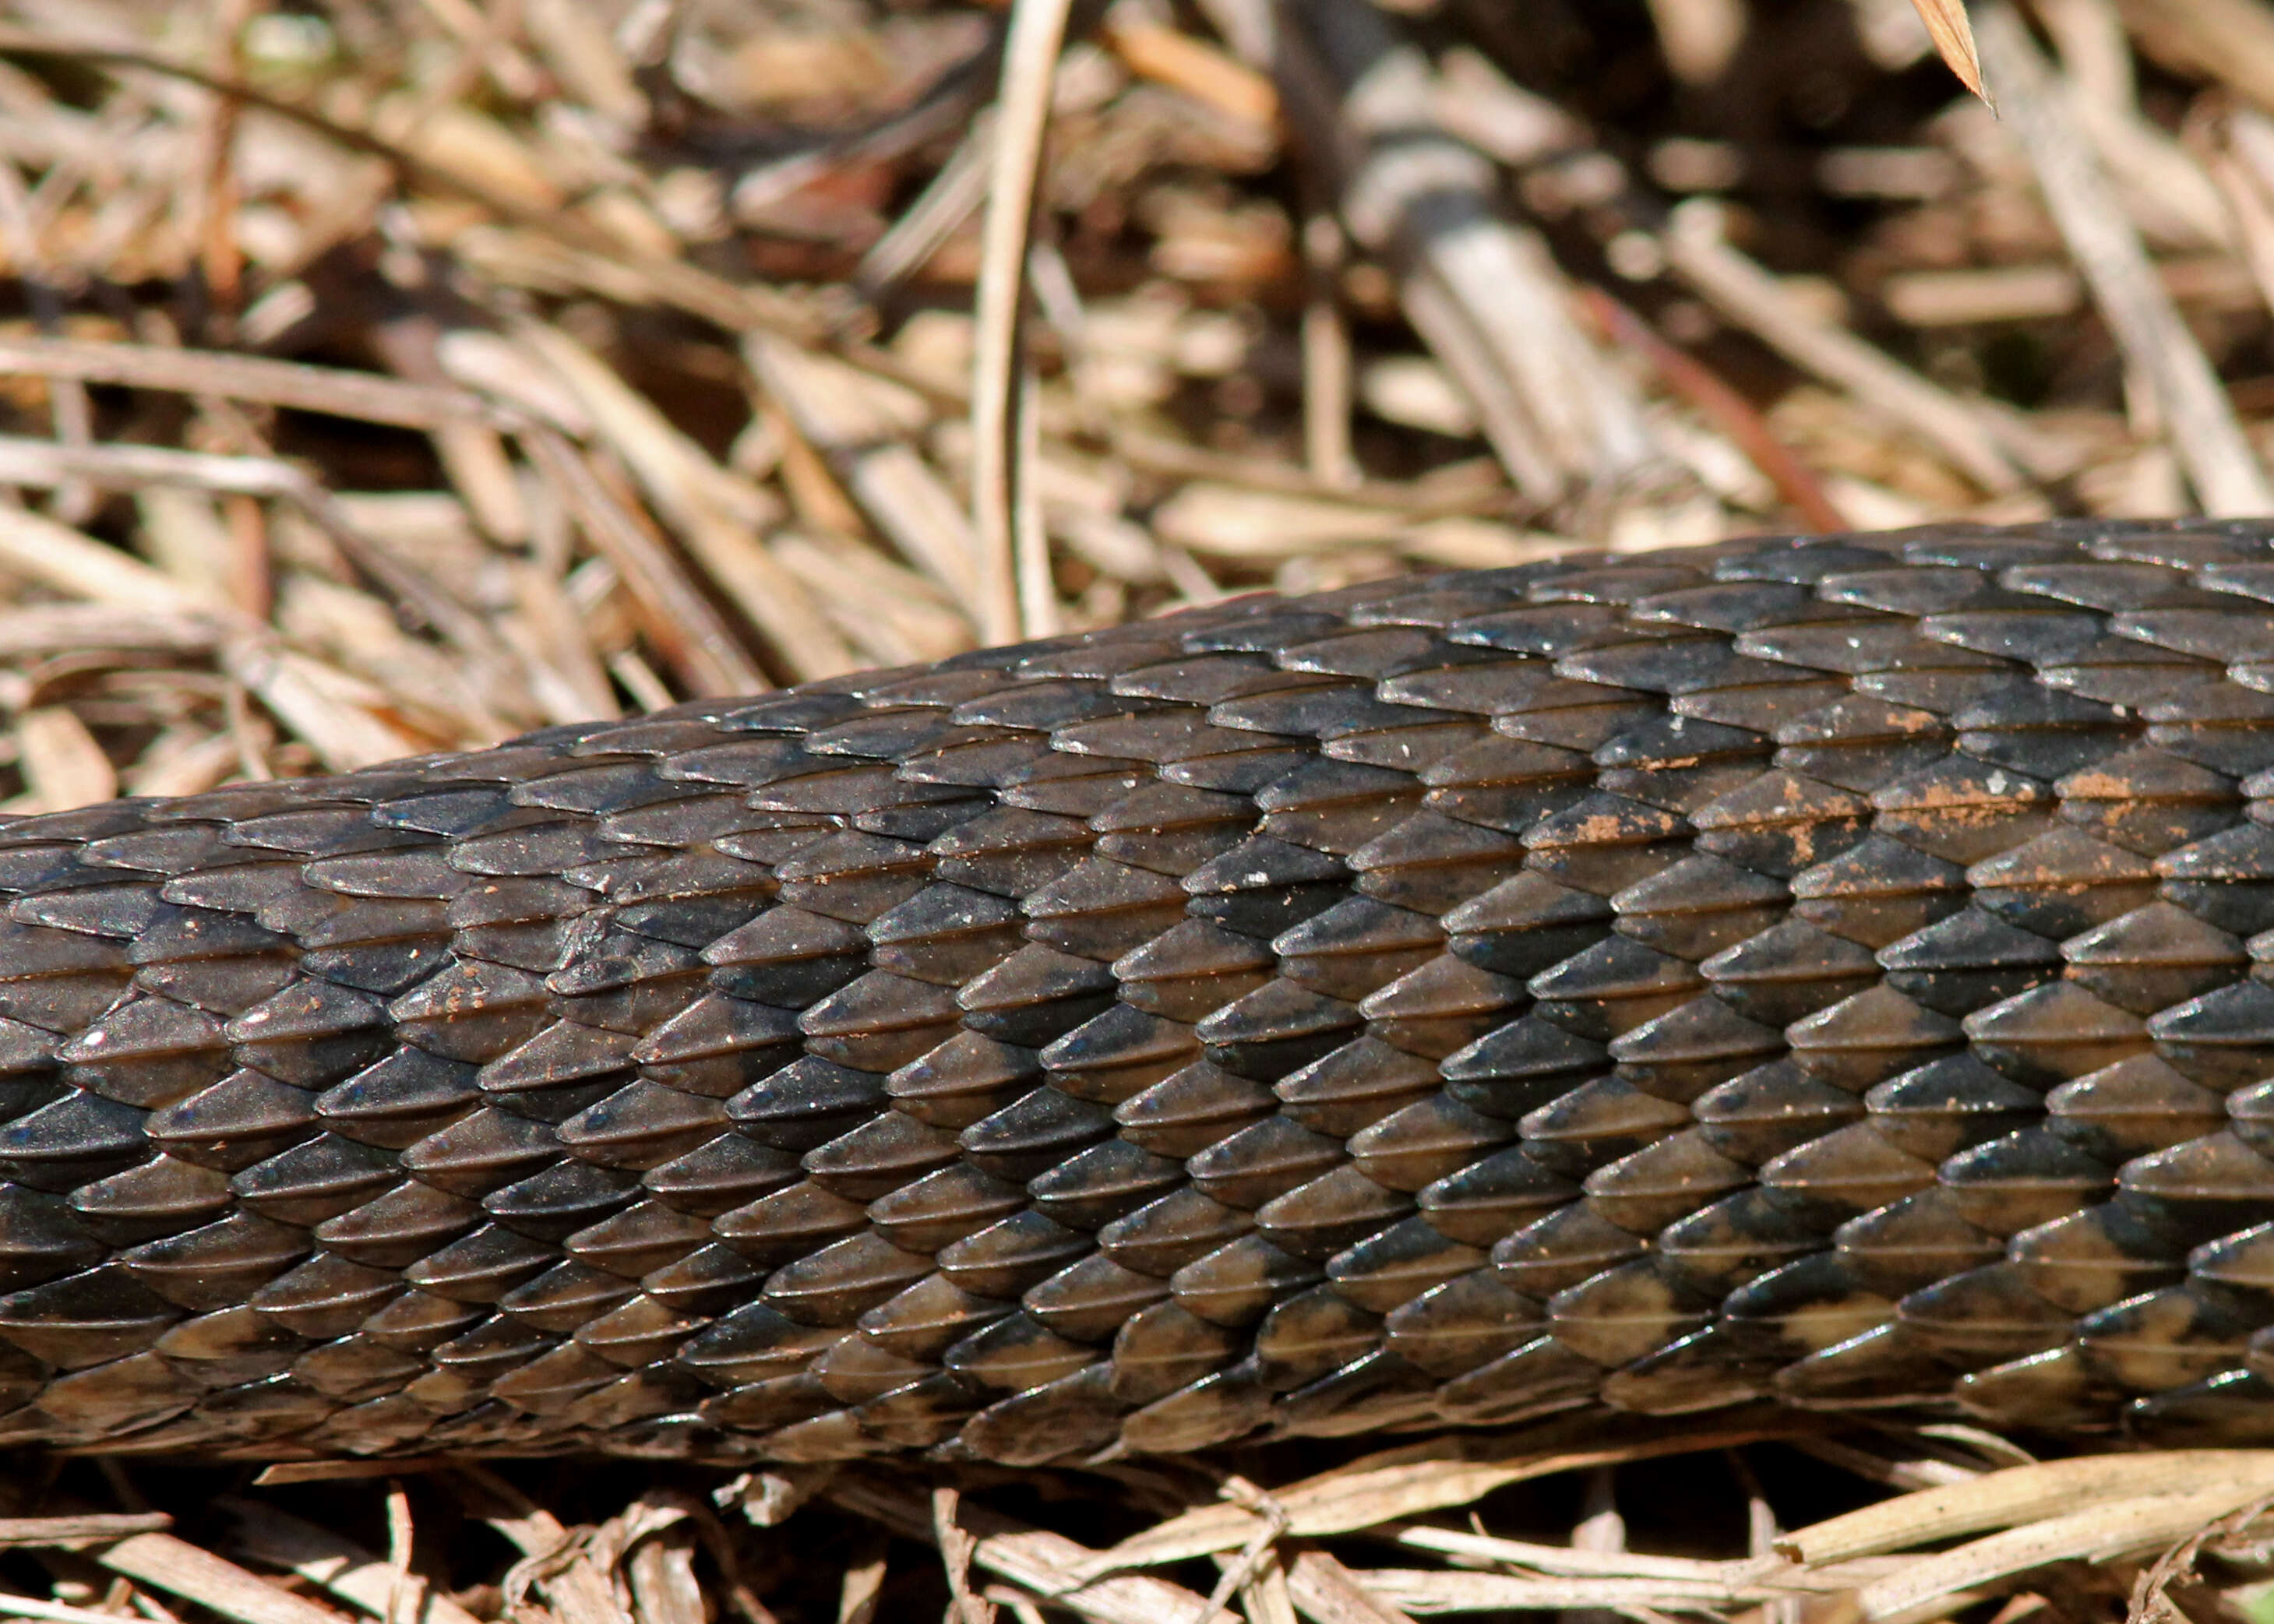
2099, 1533
894, 616
400, 1541
1265, 1598
334, 391
712, 510
565, 674
1439, 317
180, 1569
81, 628
1750, 297
554, 1558
472, 454
403, 579
2229, 40
1952, 34
953, 195
863, 425
331, 711
12, 1606
2024, 1495
74, 1533
676, 618
2158, 346
1726, 408
1423, 1590
1366, 99
47, 462
62, 763
661, 1572
998, 401
1565, 1558
1326, 1592
337, 1564
56, 556
1155, 50
1239, 522
1395, 1485
588, 256
1048, 1564
183, 761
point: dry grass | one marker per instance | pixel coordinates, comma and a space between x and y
385, 377
1939, 1523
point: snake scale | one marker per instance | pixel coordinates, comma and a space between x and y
1838, 971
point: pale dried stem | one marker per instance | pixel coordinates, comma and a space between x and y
1973, 441
999, 398
2225, 472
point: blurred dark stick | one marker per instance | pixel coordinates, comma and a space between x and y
1721, 405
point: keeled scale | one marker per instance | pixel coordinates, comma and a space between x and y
1834, 969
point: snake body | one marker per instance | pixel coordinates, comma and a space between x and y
1826, 970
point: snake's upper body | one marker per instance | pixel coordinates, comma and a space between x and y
1833, 970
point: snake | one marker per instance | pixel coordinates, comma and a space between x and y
1830, 973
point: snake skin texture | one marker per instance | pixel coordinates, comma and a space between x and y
1832, 970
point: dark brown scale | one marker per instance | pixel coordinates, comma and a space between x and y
1035, 996
1354, 1085
1441, 1006
1192, 1108
1692, 1048
1527, 924
1826, 970
1357, 947
965, 1079
1604, 843
1699, 906
1100, 909
1859, 742
1191, 969
1334, 805
1278, 1028
1869, 1037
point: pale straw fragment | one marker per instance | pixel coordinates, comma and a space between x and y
2158, 346
715, 512
337, 1564
1392, 1486
63, 764
1047, 1564
78, 1532
2025, 1494
35, 548
1326, 1592
861, 424
166, 1563
333, 712
677, 619
1013, 586
1743, 291
2098, 1533
364, 396
12, 1606
554, 1559
1265, 1598
1485, 294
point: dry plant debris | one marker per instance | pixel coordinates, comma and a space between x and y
386, 377
1971, 1528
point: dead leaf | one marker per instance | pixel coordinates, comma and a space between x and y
1953, 36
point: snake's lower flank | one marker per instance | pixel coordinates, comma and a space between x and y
1834, 971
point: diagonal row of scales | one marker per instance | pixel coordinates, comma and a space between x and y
1832, 970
